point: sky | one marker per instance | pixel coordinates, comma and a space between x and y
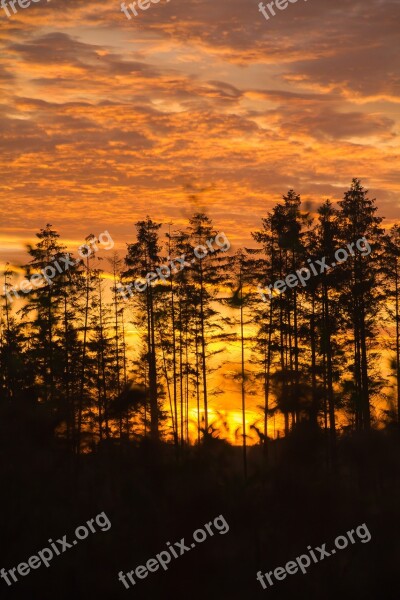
191, 104
105, 119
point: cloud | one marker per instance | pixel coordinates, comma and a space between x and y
105, 119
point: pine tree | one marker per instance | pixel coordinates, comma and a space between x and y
391, 272
204, 277
142, 259
360, 294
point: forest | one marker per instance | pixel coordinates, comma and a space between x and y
93, 413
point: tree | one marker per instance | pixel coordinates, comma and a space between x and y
360, 293
391, 271
204, 277
142, 260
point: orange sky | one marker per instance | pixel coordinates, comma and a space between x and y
104, 120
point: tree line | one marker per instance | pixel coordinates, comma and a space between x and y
313, 355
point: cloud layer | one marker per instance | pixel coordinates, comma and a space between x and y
104, 119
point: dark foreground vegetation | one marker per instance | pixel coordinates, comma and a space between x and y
299, 498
